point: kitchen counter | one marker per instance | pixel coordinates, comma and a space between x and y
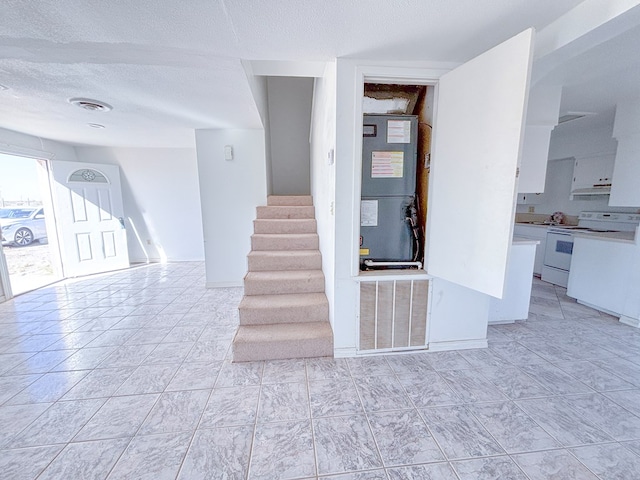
536, 232
524, 241
622, 237
534, 224
605, 275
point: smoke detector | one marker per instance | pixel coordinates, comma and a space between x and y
90, 104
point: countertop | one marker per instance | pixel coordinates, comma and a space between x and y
524, 241
622, 237
538, 225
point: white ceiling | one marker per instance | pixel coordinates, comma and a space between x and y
169, 67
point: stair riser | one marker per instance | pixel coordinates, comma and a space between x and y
280, 200
295, 314
285, 212
267, 264
275, 287
277, 350
284, 226
284, 242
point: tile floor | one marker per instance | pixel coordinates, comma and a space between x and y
126, 376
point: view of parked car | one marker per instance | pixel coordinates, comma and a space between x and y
22, 226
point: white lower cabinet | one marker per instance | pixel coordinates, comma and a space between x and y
606, 275
514, 305
534, 232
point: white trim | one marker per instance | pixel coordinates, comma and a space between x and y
457, 345
388, 275
344, 352
600, 309
223, 284
632, 322
377, 74
18, 151
5, 280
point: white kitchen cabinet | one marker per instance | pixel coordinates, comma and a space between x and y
626, 172
592, 175
530, 198
534, 232
605, 275
542, 117
517, 295
626, 130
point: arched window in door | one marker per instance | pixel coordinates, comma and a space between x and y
88, 175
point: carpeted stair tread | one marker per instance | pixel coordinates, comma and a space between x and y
284, 308
273, 260
284, 241
289, 281
293, 212
284, 200
285, 225
281, 341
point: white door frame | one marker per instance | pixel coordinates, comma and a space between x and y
6, 292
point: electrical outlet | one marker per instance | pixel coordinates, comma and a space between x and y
532, 209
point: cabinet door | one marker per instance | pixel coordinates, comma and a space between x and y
624, 188
592, 172
477, 143
530, 198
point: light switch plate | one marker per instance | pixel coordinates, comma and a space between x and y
228, 152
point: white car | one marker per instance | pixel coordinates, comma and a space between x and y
22, 226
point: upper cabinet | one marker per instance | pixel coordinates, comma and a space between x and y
530, 198
542, 117
592, 175
477, 143
626, 129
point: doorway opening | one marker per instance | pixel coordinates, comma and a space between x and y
32, 261
396, 152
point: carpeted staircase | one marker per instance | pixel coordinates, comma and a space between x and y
284, 312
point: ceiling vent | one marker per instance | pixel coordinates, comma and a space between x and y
89, 104
571, 116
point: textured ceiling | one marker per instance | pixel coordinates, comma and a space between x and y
169, 67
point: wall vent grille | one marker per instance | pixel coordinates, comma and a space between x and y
393, 315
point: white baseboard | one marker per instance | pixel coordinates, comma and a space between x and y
457, 345
633, 322
145, 260
502, 322
223, 284
344, 352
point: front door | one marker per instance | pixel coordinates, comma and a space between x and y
89, 217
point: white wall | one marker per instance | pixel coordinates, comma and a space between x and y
230, 191
459, 317
258, 85
289, 121
161, 200
323, 141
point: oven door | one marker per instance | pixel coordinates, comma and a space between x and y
558, 250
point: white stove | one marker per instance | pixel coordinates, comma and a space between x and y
559, 244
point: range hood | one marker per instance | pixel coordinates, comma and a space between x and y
595, 190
